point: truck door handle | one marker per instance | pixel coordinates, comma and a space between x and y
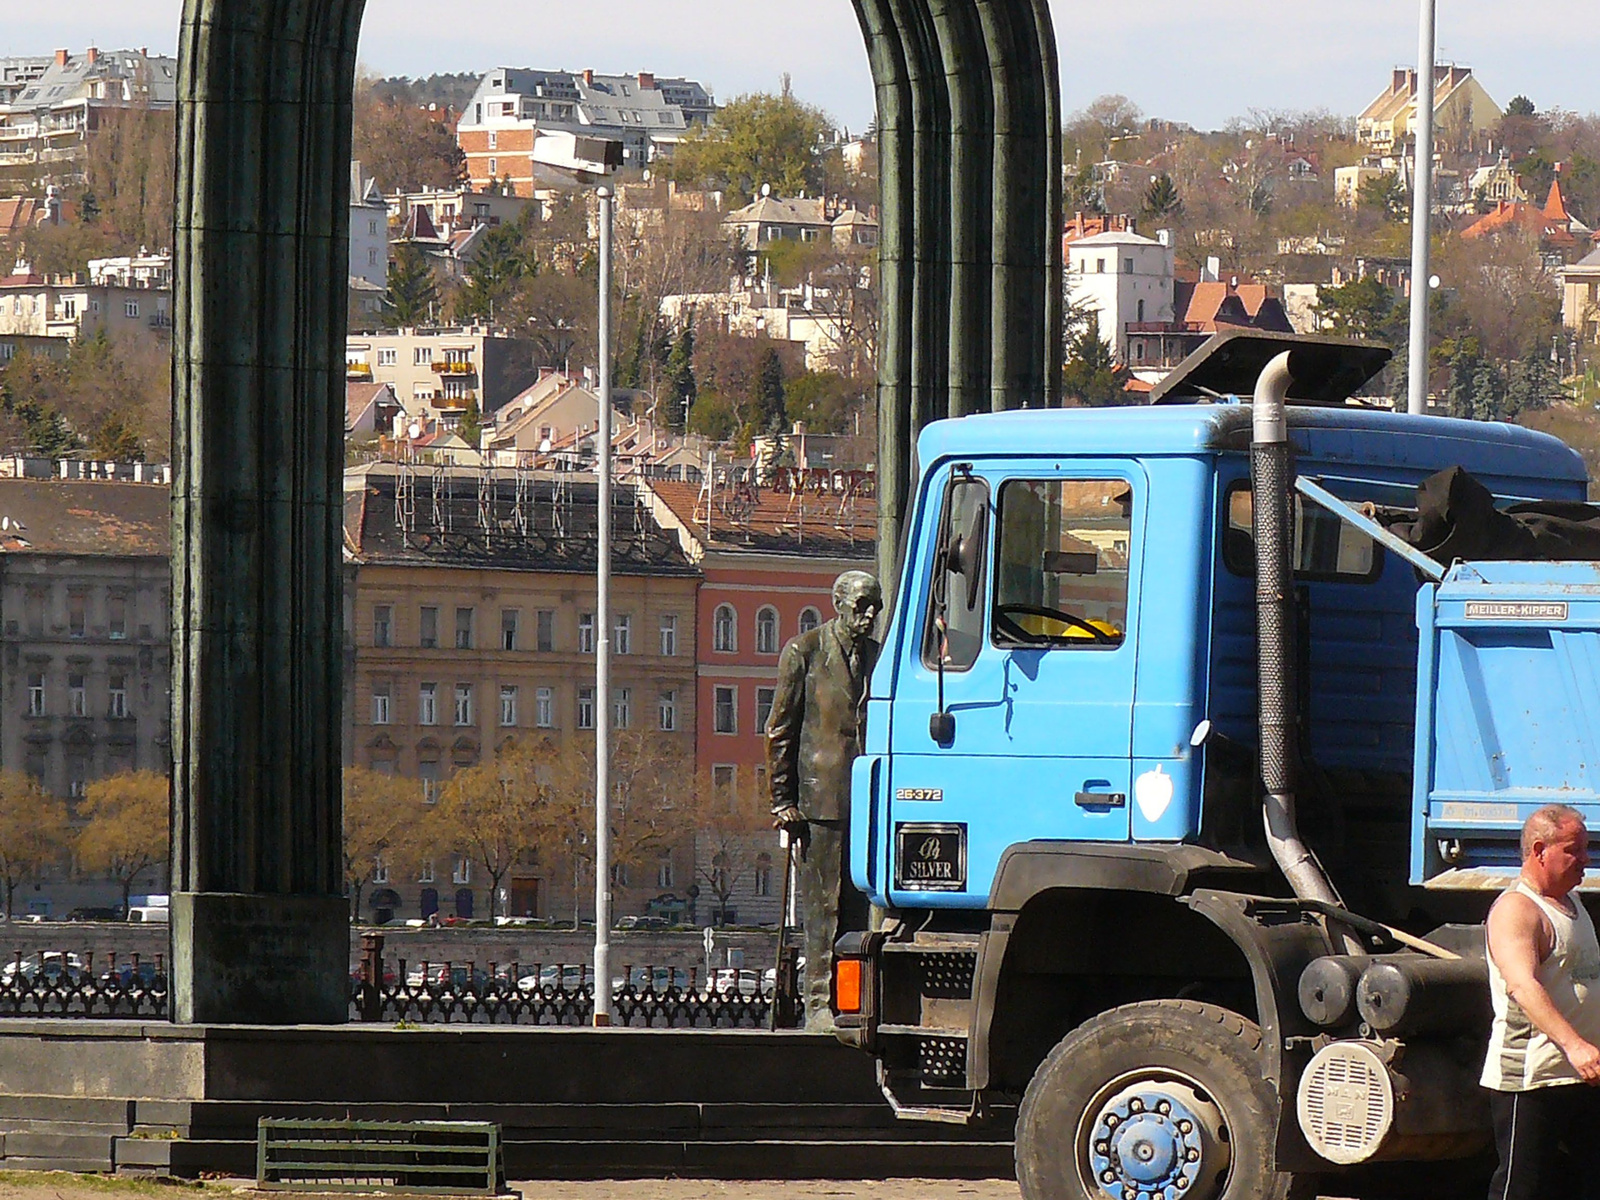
1101, 799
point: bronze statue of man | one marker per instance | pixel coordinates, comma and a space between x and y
813, 736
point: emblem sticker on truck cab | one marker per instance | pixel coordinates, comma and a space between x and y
930, 857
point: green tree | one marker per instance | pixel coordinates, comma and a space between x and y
497, 269
471, 426
768, 399
756, 139
1520, 106
1091, 375
1385, 195
33, 831
1531, 385
821, 399
1161, 199
680, 378
713, 417
126, 833
413, 292
1362, 308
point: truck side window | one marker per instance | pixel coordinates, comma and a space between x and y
1325, 548
1061, 563
959, 565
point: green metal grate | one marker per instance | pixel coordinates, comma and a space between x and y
460, 1158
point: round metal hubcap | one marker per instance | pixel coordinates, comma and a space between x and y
1155, 1139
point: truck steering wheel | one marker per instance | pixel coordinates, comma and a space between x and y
1005, 618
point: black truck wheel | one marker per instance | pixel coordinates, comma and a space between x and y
1163, 1099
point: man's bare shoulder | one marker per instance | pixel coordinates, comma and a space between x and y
1515, 916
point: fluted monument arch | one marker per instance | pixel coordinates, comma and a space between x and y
969, 146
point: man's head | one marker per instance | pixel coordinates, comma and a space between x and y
1555, 849
858, 600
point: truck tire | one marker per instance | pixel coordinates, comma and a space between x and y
1162, 1098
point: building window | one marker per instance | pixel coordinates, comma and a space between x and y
117, 705
494, 166
585, 633
667, 711
130, 308
508, 706
664, 872
586, 708
380, 704
725, 710
763, 874
622, 634
1127, 266
508, 628
462, 872
764, 697
428, 773
544, 707
117, 616
428, 635
810, 619
622, 708
494, 140
428, 704
382, 625
546, 630
463, 629
388, 356
380, 870
421, 356
36, 695
77, 613
723, 778
77, 785
669, 635
724, 629
425, 872
77, 696
463, 704
767, 631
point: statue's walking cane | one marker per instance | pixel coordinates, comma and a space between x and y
785, 982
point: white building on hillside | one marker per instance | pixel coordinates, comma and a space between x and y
1124, 277
369, 229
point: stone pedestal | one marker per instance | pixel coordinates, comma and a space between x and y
251, 959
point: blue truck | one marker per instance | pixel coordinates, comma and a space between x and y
1187, 782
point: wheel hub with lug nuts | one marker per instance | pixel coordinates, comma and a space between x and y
1153, 1141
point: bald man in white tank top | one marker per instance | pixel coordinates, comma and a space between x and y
1543, 1063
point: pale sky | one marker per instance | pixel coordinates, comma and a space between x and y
1185, 61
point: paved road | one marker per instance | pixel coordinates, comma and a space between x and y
695, 1189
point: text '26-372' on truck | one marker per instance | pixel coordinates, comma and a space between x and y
1199, 745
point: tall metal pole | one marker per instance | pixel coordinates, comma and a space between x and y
602, 649
1421, 215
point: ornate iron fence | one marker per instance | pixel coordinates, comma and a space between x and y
58, 983
64, 984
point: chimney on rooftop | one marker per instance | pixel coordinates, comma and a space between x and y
61, 58
647, 81
588, 77
92, 54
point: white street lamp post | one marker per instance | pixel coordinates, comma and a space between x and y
602, 657
1421, 215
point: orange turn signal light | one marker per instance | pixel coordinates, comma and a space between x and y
847, 985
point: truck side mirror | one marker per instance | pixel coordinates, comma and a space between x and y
942, 727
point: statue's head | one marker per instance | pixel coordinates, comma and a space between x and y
858, 600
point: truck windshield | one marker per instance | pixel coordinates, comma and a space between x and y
1061, 563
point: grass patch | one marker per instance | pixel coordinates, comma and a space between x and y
109, 1184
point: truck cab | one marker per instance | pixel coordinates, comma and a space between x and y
1057, 807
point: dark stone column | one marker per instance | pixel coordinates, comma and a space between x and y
259, 920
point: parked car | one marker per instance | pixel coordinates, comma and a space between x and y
148, 913
95, 914
51, 968
128, 976
568, 977
455, 977
654, 979
729, 979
